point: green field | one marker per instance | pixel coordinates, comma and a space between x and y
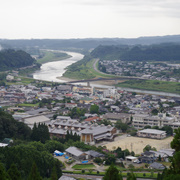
124, 174
24, 80
85, 71
50, 56
83, 166
28, 105
152, 85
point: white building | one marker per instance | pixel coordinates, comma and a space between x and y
152, 133
142, 120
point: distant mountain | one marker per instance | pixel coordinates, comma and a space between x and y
10, 59
160, 52
88, 43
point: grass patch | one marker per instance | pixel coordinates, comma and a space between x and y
28, 71
167, 164
52, 56
83, 166
152, 85
85, 71
124, 174
28, 105
24, 80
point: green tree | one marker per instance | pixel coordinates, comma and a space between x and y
13, 172
175, 144
121, 126
159, 158
12, 128
3, 174
54, 174
40, 133
154, 112
112, 173
94, 109
98, 160
131, 176
174, 171
77, 112
34, 174
147, 127
148, 148
58, 166
168, 130
110, 159
52, 145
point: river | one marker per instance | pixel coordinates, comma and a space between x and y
51, 70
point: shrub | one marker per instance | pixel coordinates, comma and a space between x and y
83, 171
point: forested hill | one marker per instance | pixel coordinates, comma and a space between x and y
10, 59
87, 43
161, 52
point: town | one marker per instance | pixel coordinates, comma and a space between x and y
140, 124
162, 71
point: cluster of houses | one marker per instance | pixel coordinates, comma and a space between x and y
146, 70
149, 157
114, 105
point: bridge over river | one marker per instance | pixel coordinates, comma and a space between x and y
127, 89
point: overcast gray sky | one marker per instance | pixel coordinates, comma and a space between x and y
88, 18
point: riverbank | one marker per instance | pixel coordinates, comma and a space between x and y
51, 70
108, 83
51, 56
152, 85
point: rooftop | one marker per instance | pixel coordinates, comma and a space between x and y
74, 151
152, 131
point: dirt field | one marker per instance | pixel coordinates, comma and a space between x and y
137, 144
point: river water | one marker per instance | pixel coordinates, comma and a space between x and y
51, 70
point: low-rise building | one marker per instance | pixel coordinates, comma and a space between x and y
152, 133
90, 133
31, 120
114, 117
76, 153
141, 120
156, 165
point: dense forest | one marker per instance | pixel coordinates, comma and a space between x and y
161, 52
30, 149
10, 59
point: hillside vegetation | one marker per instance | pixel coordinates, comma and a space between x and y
161, 52
80, 69
10, 59
52, 56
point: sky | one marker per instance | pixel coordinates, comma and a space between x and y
66, 19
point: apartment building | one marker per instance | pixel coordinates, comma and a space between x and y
141, 120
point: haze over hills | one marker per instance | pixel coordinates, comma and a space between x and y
87, 43
158, 52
